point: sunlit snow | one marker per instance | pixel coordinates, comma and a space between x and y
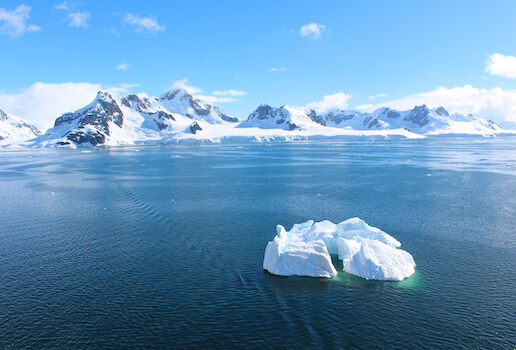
365, 251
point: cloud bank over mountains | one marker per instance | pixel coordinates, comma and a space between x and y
41, 103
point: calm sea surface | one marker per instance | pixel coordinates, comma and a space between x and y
162, 247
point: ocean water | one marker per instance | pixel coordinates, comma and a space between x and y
162, 247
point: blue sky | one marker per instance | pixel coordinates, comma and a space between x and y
324, 54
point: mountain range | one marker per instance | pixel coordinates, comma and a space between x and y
177, 116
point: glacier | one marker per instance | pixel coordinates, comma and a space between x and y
365, 251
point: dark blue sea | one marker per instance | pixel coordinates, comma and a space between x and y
162, 247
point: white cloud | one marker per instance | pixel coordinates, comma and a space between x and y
196, 92
277, 69
183, 84
14, 22
229, 93
123, 66
62, 6
495, 103
367, 107
42, 103
313, 30
338, 101
120, 90
377, 96
216, 99
143, 24
504, 66
79, 19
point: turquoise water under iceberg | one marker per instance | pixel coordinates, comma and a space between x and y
145, 247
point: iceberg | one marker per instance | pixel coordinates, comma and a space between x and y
365, 251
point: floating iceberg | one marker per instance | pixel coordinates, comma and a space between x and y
365, 251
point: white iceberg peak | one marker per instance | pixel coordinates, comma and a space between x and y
365, 251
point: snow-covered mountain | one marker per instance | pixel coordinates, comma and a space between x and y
13, 128
285, 117
92, 124
136, 118
177, 116
420, 119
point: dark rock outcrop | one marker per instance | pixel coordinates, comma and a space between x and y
195, 127
442, 112
418, 115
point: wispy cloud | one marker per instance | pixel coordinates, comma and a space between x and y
76, 17
220, 95
123, 66
313, 31
229, 93
183, 84
504, 66
143, 24
373, 97
79, 19
277, 69
13, 23
338, 101
112, 31
216, 99
62, 6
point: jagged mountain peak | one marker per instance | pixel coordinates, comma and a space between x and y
139, 102
104, 96
176, 93
91, 124
442, 112
179, 100
286, 117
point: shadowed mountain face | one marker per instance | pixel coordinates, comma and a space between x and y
92, 123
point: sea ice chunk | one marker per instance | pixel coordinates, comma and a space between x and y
347, 248
289, 254
365, 251
358, 230
378, 261
326, 231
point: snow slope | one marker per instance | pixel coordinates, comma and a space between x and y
14, 129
